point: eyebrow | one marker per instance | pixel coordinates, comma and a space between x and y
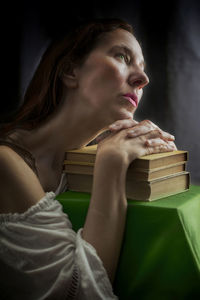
128, 51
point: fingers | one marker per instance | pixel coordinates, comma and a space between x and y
172, 145
150, 134
122, 124
153, 142
137, 129
164, 134
146, 127
157, 142
158, 145
158, 149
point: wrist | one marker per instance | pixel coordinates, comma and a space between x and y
109, 178
112, 159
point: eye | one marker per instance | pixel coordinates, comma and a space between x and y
123, 57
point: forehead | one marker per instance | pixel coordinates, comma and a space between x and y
120, 37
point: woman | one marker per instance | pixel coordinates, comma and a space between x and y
86, 83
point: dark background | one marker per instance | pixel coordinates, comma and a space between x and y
169, 32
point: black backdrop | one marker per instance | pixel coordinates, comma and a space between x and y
169, 32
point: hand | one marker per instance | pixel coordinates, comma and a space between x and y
143, 127
147, 126
116, 126
122, 124
130, 139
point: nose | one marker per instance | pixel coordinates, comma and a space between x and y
138, 79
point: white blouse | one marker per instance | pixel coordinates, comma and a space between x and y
41, 257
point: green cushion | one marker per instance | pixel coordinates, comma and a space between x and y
160, 255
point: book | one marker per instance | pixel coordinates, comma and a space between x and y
137, 190
88, 154
143, 168
160, 159
157, 188
78, 167
155, 173
75, 167
148, 177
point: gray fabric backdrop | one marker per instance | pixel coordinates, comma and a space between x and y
169, 33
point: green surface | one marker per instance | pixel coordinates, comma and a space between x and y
160, 255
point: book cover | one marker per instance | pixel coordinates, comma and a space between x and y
74, 167
137, 190
148, 162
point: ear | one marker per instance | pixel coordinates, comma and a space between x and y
70, 80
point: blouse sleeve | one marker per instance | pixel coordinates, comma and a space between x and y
41, 257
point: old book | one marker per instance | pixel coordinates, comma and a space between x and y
87, 154
148, 162
148, 178
137, 190
74, 167
78, 167
144, 168
155, 173
157, 188
158, 160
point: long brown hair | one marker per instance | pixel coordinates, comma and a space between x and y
44, 92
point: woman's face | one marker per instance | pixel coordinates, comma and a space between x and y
111, 79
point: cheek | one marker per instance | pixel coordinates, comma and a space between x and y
113, 76
104, 76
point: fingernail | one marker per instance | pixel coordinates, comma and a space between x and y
114, 126
131, 132
149, 143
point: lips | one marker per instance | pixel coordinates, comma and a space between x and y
132, 98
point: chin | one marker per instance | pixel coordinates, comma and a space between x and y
126, 114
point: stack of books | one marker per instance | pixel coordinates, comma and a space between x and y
148, 178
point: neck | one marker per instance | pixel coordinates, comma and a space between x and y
71, 127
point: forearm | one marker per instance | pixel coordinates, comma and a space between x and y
106, 216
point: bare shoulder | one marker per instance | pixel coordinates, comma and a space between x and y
19, 186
